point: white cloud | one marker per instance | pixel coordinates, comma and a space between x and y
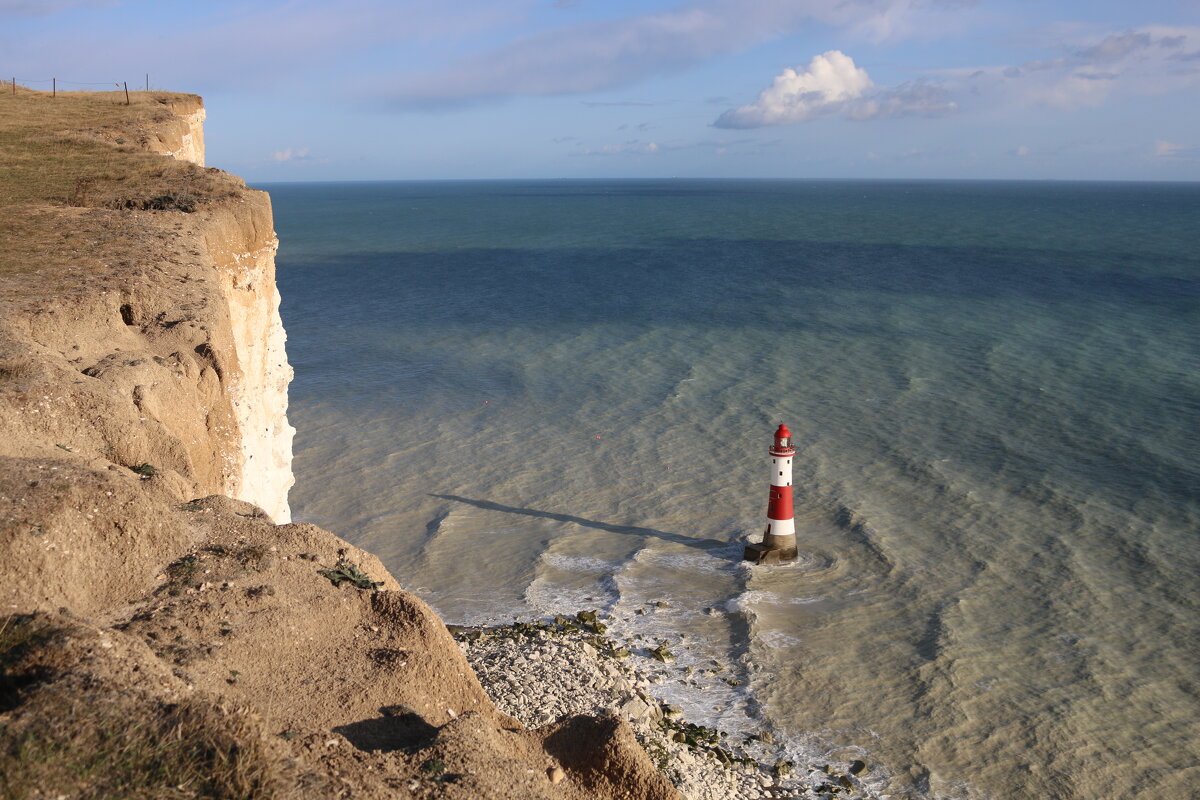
824, 88
1164, 149
1151, 61
615, 103
1021, 151
638, 147
925, 155
1174, 151
919, 98
1117, 46
632, 147
298, 154
832, 84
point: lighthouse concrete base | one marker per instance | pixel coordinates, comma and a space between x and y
763, 553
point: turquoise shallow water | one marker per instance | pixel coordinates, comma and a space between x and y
531, 397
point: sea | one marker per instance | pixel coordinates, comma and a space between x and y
530, 398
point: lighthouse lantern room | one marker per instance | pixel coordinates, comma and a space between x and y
779, 539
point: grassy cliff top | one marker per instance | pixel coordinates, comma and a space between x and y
71, 158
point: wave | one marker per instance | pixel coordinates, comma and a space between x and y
583, 564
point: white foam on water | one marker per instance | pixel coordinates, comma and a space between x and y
546, 597
474, 611
718, 563
744, 603
582, 564
778, 640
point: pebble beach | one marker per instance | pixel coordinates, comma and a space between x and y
541, 671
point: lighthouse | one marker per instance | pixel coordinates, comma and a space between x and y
779, 539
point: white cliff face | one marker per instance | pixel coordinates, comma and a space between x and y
241, 243
182, 136
259, 392
191, 146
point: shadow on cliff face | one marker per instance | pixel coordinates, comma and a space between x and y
398, 728
667, 536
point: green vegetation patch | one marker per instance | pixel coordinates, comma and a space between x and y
181, 573
253, 556
435, 770
346, 572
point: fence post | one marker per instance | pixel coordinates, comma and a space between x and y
14, 87
53, 87
126, 92
147, 81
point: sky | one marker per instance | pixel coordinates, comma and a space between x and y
301, 90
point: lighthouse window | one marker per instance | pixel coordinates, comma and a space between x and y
781, 472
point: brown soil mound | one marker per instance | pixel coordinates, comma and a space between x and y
244, 645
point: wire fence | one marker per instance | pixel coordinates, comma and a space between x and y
55, 83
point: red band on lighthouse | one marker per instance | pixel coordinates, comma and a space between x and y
779, 507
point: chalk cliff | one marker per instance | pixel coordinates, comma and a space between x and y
241, 244
181, 135
173, 356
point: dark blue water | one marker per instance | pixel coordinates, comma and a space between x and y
525, 394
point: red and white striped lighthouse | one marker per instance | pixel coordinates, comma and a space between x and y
779, 540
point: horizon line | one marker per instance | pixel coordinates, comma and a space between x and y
730, 179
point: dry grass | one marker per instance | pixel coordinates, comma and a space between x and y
120, 744
64, 734
85, 150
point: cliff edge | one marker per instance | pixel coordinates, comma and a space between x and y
165, 630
